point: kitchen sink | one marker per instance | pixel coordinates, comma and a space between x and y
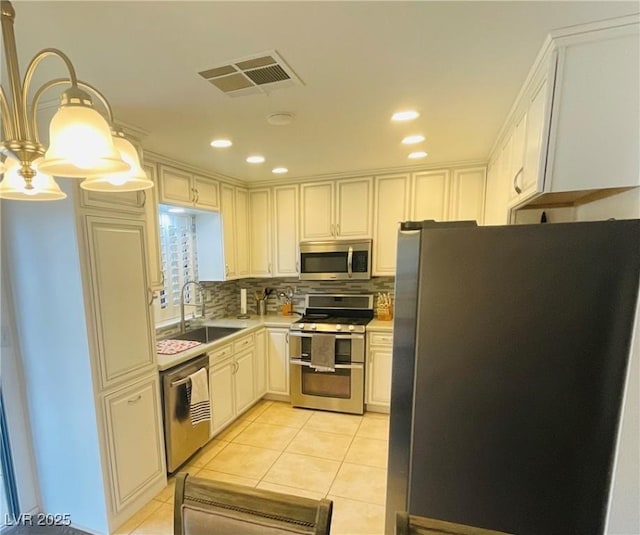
206, 334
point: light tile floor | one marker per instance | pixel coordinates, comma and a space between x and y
295, 451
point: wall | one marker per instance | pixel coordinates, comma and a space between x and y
223, 298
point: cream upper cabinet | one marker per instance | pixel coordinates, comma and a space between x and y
285, 220
260, 229
595, 116
228, 211
156, 277
467, 194
531, 177
430, 195
353, 208
329, 212
181, 187
391, 207
316, 215
242, 232
118, 272
207, 193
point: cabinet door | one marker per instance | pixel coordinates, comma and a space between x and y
533, 148
516, 163
243, 379
316, 214
260, 364
134, 440
496, 198
391, 207
221, 394
595, 131
156, 277
228, 211
243, 241
120, 291
260, 225
278, 361
353, 208
430, 196
467, 194
175, 186
123, 201
207, 194
379, 383
285, 217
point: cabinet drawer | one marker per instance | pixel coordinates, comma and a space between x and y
218, 355
381, 339
243, 343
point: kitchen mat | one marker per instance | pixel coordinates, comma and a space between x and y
171, 347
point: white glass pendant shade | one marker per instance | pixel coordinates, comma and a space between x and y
134, 179
13, 185
80, 144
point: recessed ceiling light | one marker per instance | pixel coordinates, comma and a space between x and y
221, 143
281, 118
418, 154
410, 140
255, 159
407, 115
279, 170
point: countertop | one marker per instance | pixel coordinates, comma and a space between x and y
253, 323
379, 325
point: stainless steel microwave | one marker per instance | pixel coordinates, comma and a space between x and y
335, 260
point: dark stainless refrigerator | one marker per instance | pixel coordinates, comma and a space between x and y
510, 364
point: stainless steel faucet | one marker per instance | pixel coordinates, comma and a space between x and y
182, 304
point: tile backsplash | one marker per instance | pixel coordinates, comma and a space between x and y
223, 298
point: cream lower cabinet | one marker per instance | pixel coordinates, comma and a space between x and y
260, 364
379, 366
231, 381
134, 445
221, 393
278, 361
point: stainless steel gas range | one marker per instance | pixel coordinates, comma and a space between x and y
327, 353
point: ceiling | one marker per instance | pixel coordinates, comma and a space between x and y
460, 64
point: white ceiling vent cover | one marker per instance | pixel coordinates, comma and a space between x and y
252, 75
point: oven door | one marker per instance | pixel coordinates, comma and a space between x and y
341, 390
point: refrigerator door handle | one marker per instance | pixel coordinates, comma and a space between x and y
350, 262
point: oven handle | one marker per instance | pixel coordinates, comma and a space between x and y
338, 336
299, 362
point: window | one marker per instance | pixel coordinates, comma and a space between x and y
179, 262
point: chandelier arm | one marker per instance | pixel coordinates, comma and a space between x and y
7, 125
59, 81
28, 76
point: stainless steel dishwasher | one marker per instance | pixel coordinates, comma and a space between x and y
182, 439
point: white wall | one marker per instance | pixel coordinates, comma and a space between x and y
42, 253
624, 205
15, 404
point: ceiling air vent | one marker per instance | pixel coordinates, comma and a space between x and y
257, 74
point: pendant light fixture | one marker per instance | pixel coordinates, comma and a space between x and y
81, 143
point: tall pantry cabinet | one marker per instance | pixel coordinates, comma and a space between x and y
83, 295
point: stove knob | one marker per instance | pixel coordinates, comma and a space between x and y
338, 327
351, 327
301, 326
313, 326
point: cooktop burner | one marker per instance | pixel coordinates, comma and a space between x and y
326, 318
335, 314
